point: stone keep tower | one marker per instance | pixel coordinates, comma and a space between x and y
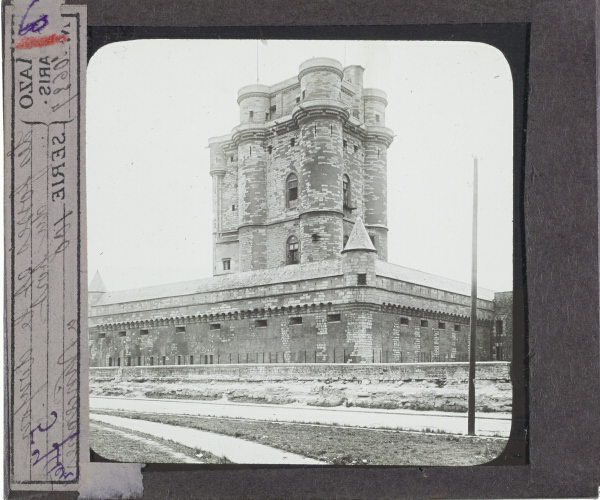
307, 159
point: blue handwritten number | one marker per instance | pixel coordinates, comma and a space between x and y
41, 429
35, 26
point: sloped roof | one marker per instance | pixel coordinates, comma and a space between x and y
298, 272
393, 271
359, 238
97, 285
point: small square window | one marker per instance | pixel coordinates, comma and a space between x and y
260, 323
231, 159
377, 119
215, 326
456, 327
102, 335
424, 323
293, 141
334, 318
404, 321
297, 320
270, 148
442, 325
362, 278
273, 109
122, 334
251, 114
180, 329
355, 113
226, 264
233, 208
144, 332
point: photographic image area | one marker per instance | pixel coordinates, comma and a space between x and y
280, 251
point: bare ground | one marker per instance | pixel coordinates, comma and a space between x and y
411, 395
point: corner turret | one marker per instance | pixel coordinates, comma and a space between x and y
358, 257
96, 289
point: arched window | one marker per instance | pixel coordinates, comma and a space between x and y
292, 250
291, 190
346, 188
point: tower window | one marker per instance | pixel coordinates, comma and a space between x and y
233, 208
345, 143
273, 110
267, 116
345, 241
180, 329
355, 113
231, 159
372, 239
362, 279
270, 148
346, 191
102, 335
151, 360
293, 141
442, 325
404, 321
293, 250
164, 360
377, 118
356, 148
215, 326
226, 264
292, 191
122, 334
334, 318
143, 332
297, 320
110, 361
303, 95
251, 114
260, 323
456, 327
297, 100
424, 323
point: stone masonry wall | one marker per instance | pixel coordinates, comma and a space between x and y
458, 372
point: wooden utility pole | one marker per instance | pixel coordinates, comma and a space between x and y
473, 332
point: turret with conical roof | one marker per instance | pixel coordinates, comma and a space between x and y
96, 289
358, 257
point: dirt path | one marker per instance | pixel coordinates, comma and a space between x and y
455, 423
237, 450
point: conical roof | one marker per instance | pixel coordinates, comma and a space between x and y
97, 285
359, 239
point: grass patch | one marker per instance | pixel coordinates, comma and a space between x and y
336, 445
115, 446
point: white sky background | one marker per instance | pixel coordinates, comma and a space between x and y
152, 105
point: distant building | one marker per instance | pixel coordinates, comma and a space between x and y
300, 250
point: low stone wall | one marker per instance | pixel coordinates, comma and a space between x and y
384, 372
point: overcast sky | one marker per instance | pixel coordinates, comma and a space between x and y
152, 105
